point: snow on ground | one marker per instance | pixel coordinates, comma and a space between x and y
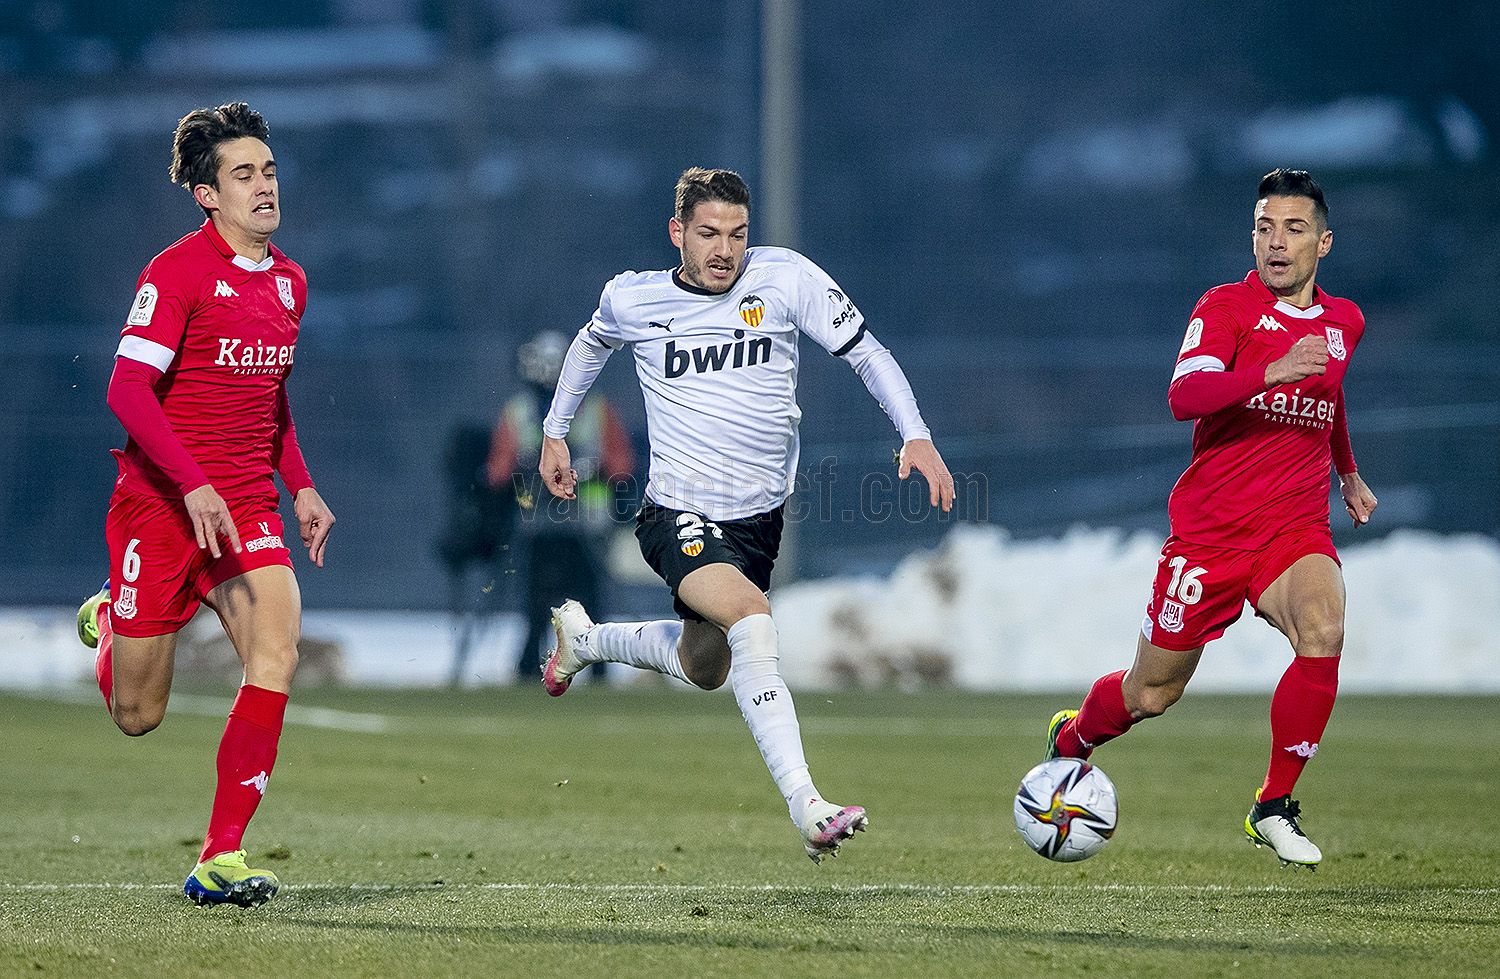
983, 611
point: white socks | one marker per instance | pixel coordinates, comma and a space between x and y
767, 706
648, 645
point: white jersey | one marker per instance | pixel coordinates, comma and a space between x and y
719, 375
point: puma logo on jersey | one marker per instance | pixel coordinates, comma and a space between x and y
257, 782
1269, 324
716, 357
1303, 750
222, 289
660, 326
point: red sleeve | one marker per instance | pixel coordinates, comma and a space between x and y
1343, 449
618, 459
1206, 391
286, 455
132, 397
505, 449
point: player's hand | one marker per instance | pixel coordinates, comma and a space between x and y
315, 520
1358, 500
557, 469
1308, 356
922, 455
210, 516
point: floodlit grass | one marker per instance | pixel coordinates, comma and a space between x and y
622, 832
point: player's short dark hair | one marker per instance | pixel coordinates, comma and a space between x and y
697, 185
195, 144
1282, 182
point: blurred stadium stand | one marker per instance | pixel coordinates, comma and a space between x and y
1025, 205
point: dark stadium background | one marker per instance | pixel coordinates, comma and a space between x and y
1024, 203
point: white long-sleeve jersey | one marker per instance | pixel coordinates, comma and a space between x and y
719, 375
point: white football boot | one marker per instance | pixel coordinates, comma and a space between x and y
825, 825
572, 625
1273, 823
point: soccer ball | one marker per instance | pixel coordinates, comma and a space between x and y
1066, 809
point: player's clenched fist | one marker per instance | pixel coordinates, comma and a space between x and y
1308, 356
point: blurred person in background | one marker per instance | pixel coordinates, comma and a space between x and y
1261, 373
562, 541
715, 348
199, 385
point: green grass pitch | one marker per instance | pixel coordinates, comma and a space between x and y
635, 832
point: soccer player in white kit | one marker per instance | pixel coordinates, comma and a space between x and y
715, 344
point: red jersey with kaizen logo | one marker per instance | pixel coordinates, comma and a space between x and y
223, 330
1261, 467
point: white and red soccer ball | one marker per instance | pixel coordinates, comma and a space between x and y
1066, 809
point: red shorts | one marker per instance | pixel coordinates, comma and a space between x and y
1200, 589
157, 572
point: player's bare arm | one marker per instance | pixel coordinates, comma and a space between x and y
210, 516
922, 455
315, 521
557, 468
1359, 501
1308, 357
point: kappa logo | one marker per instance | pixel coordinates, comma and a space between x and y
1170, 618
144, 306
1303, 750
258, 782
124, 607
221, 288
752, 310
1336, 344
1269, 324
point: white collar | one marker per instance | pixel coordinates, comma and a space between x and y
249, 266
1296, 312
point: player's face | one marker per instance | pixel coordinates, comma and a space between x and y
247, 200
1289, 239
712, 241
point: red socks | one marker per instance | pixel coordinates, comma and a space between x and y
247, 753
1102, 718
104, 668
1299, 713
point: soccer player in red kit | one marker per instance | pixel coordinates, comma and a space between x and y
199, 385
1261, 372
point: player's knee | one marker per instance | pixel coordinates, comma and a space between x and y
137, 719
272, 665
705, 668
1154, 701
707, 676
1324, 637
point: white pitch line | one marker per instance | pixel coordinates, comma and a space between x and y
604, 725
927, 890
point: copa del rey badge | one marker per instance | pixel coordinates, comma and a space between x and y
284, 290
1336, 343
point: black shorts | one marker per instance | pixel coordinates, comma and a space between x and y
676, 543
